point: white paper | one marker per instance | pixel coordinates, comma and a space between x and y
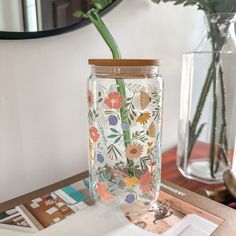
34, 205
52, 210
60, 204
37, 200
81, 205
56, 219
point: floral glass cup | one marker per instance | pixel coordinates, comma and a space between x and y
125, 113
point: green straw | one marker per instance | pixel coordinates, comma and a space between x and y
111, 43
104, 32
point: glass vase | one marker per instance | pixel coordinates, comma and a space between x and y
125, 109
207, 124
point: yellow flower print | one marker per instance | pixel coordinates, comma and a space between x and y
130, 181
143, 118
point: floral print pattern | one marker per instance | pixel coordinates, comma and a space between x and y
143, 118
109, 154
134, 151
114, 100
112, 120
145, 182
90, 98
130, 181
102, 191
94, 134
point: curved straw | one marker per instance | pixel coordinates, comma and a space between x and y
111, 43
105, 33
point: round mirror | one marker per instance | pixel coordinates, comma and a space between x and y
22, 19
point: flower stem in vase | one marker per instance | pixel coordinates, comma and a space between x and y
213, 124
223, 143
215, 73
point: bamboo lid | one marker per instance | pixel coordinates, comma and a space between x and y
124, 62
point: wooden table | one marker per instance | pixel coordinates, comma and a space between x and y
171, 173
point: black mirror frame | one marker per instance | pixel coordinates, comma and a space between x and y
6, 35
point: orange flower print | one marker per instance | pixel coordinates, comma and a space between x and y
134, 151
94, 134
114, 100
90, 98
102, 191
145, 181
143, 118
130, 181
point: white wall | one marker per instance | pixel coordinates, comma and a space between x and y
43, 120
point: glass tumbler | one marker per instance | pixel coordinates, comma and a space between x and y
125, 120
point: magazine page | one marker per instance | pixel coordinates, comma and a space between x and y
171, 216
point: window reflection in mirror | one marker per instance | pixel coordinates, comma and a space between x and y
41, 15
